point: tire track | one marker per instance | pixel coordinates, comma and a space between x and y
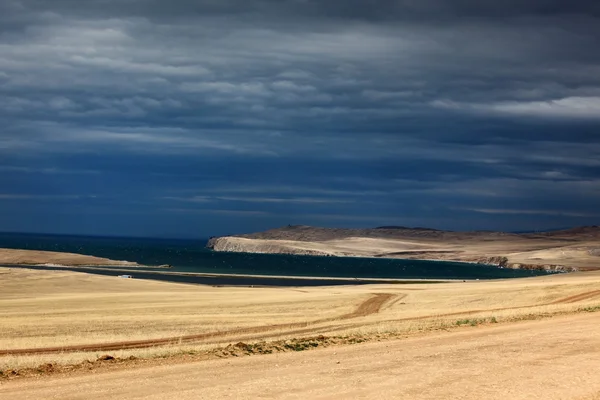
368, 307
578, 297
314, 330
565, 300
372, 305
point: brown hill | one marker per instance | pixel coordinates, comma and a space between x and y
312, 233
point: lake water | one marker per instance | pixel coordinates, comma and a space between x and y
192, 256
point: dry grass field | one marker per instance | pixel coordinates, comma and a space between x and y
551, 359
67, 317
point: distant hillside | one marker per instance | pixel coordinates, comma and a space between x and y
311, 233
406, 228
579, 231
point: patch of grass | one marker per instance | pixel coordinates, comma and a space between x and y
466, 321
476, 321
590, 309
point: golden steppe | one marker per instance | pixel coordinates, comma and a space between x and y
521, 338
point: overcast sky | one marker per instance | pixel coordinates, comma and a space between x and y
190, 118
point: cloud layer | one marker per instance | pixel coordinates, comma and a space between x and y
189, 118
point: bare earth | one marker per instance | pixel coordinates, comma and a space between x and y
34, 257
549, 359
570, 249
523, 338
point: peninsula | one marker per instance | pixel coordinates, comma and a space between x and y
575, 249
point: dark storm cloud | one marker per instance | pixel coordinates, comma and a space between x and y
372, 10
452, 112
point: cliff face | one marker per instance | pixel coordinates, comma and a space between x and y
243, 245
504, 262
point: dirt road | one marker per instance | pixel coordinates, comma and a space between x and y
556, 358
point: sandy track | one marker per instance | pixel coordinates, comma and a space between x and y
370, 306
549, 359
578, 297
464, 313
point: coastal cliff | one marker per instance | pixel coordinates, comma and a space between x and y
242, 245
569, 250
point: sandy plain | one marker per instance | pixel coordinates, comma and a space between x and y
448, 340
547, 359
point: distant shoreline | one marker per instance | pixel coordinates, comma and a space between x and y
242, 271
220, 279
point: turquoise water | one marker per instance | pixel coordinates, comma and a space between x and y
192, 256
